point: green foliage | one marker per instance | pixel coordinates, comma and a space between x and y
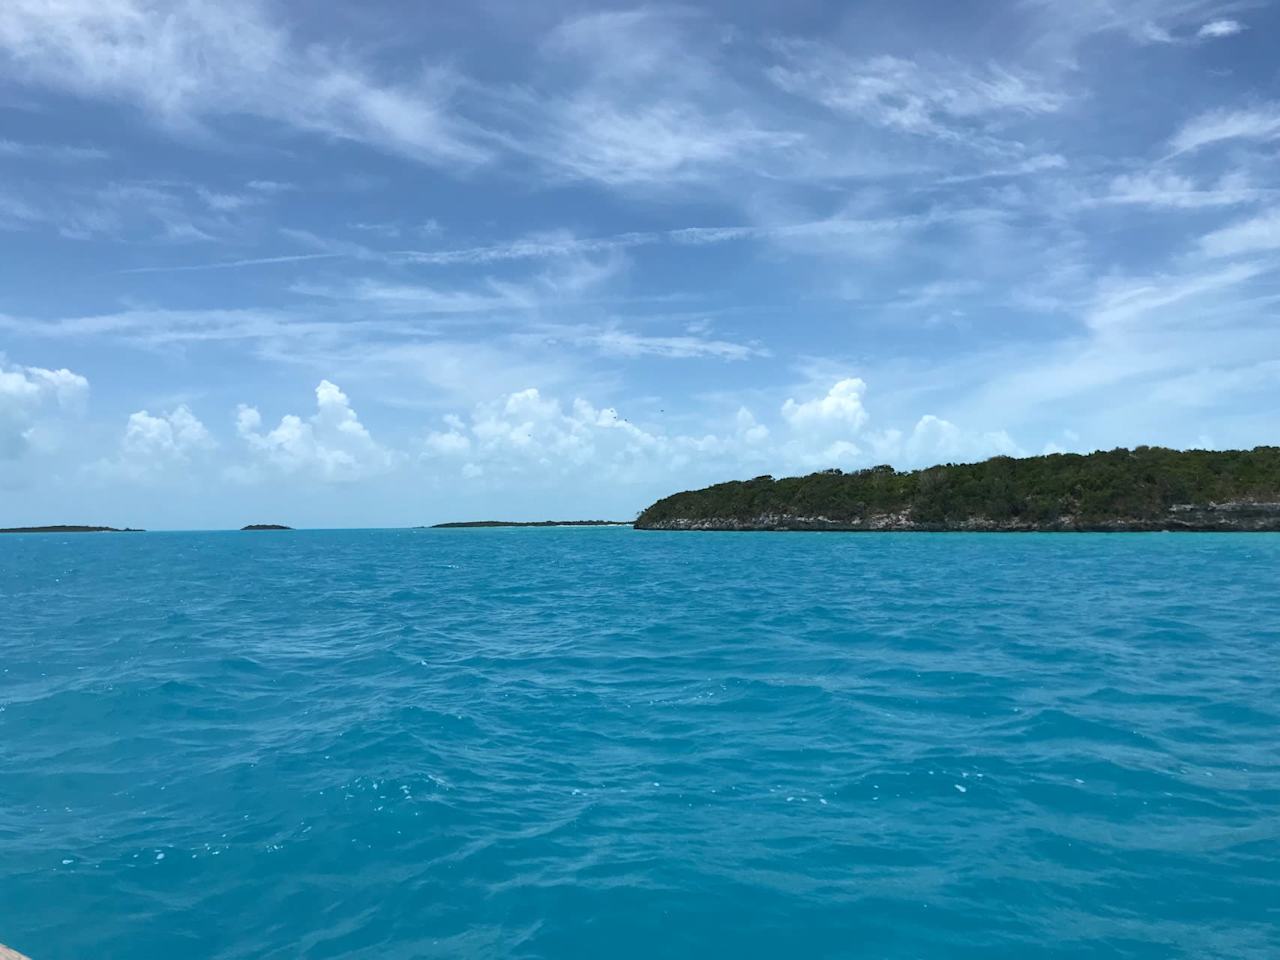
1139, 484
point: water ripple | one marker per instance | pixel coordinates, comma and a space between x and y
580, 743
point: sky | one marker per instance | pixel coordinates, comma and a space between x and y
391, 263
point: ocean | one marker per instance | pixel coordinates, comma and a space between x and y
520, 743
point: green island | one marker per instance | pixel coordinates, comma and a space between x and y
1144, 489
265, 526
69, 528
461, 524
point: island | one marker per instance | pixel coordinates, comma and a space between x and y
460, 524
265, 526
1122, 490
69, 528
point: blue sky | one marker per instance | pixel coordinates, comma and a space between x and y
394, 263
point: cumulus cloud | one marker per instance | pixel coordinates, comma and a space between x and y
840, 410
330, 445
29, 398
173, 435
530, 435
154, 444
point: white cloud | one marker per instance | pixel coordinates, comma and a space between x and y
419, 298
158, 211
30, 397
1067, 25
935, 440
1165, 189
1220, 28
748, 429
1122, 301
331, 445
839, 411
1255, 123
174, 435
61, 153
661, 142
199, 60
154, 444
942, 99
533, 437
622, 343
1247, 236
648, 104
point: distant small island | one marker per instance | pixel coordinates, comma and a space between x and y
1144, 489
529, 523
265, 526
69, 528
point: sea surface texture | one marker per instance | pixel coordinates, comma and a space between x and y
604, 743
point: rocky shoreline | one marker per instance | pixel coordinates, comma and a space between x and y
1232, 516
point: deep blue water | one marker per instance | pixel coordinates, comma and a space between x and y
604, 743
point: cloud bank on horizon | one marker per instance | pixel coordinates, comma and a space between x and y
397, 265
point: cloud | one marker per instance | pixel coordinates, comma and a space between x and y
1125, 301
1067, 25
646, 103
940, 99
841, 410
535, 437
615, 342
526, 433
331, 445
30, 398
1255, 123
157, 212
59, 153
1215, 29
417, 298
1165, 189
935, 440
198, 61
175, 435
1247, 236
154, 444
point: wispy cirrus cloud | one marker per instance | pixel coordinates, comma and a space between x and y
936, 98
1259, 123
197, 63
1258, 233
1175, 191
57, 152
1066, 26
612, 340
648, 101
1217, 29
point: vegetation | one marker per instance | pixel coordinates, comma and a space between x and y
265, 526
457, 524
1056, 490
68, 528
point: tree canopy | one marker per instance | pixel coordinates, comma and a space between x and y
1140, 484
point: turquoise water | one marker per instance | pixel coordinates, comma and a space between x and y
605, 743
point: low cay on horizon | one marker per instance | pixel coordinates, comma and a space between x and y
70, 528
460, 524
1146, 489
1141, 490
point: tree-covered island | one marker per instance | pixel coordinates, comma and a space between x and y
1145, 489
